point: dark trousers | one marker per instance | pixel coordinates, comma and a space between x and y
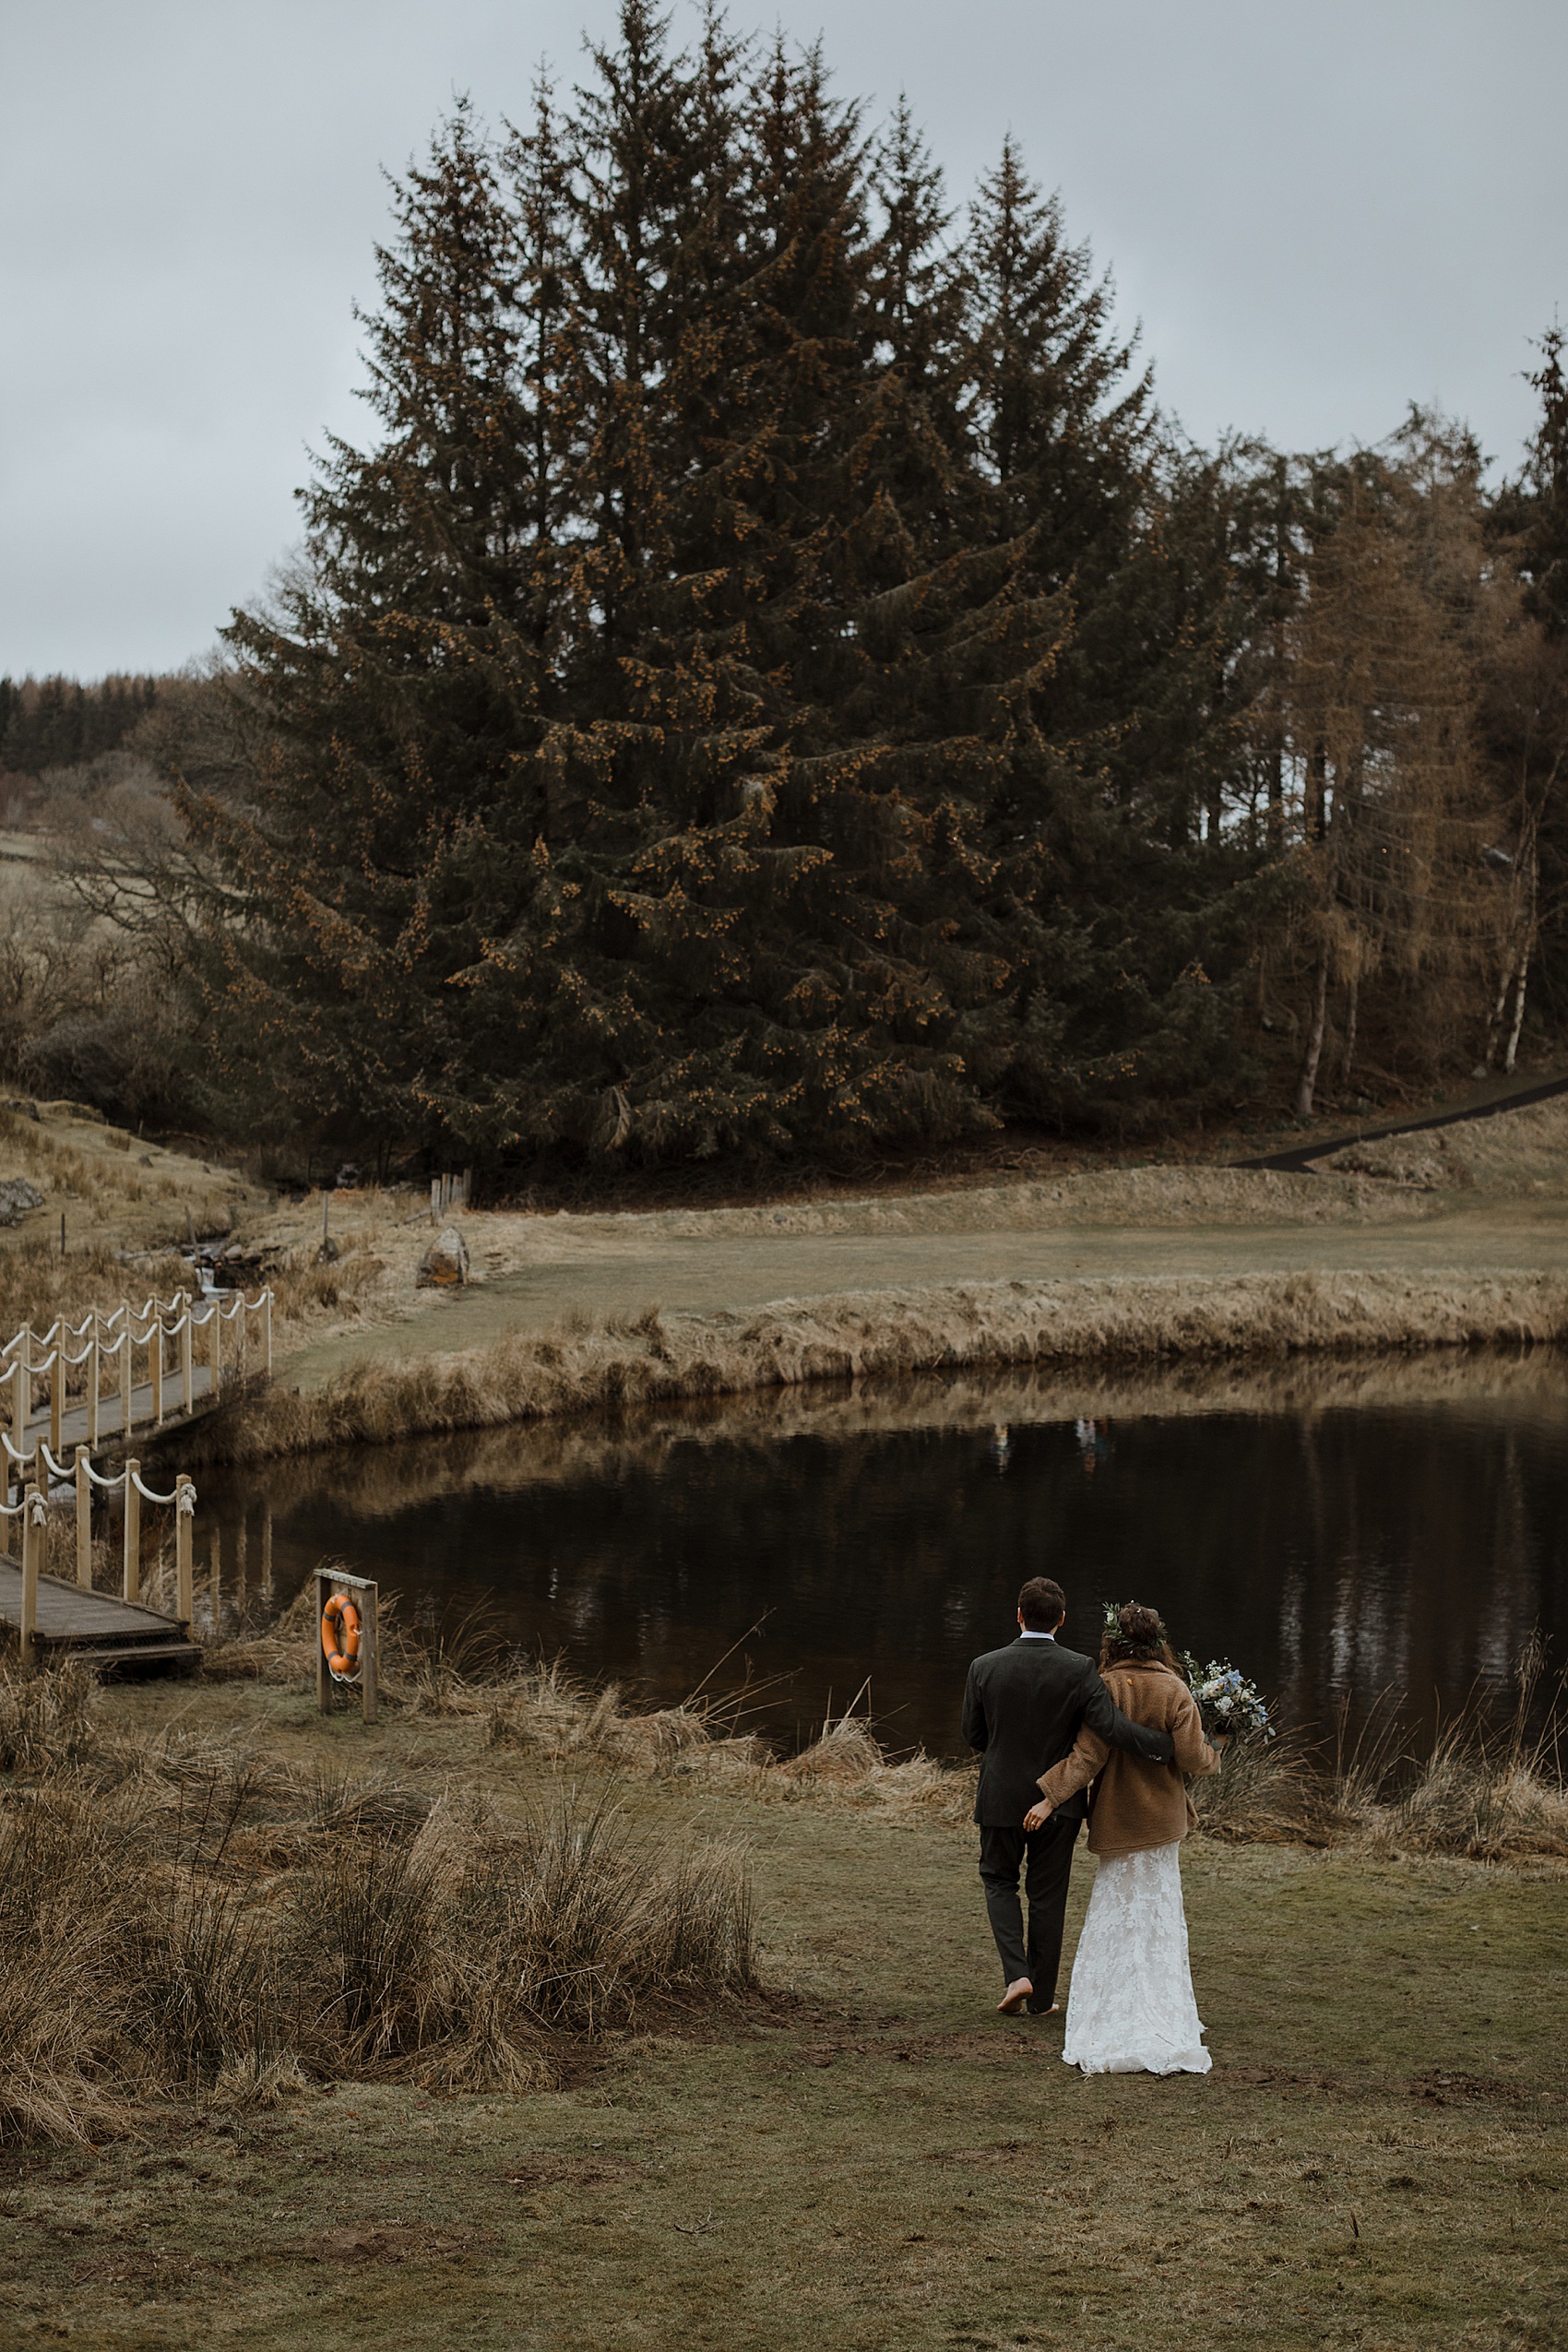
1045, 1856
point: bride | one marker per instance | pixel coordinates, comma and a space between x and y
1130, 2008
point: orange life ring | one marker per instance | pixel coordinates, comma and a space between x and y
340, 1638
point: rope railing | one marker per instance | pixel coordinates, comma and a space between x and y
155, 1327
33, 1508
109, 1341
173, 1313
151, 1494
98, 1315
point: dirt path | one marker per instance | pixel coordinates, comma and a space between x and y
1490, 1099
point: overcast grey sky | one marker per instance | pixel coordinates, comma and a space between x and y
1320, 210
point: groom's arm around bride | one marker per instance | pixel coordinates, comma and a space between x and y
1024, 1706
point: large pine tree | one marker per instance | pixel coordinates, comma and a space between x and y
764, 690
399, 689
1119, 743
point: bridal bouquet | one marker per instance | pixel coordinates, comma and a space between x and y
1226, 1701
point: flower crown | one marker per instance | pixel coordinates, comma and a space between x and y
1113, 1620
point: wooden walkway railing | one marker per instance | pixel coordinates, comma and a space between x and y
34, 1450
110, 1342
96, 1618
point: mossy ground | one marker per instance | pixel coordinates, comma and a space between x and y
868, 2157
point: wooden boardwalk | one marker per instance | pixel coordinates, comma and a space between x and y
73, 1418
109, 1635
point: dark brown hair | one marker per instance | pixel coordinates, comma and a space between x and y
1042, 1605
1137, 1635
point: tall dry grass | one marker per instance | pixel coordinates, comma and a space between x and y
104, 1179
460, 1666
308, 1289
181, 1917
184, 1915
1489, 1786
655, 1357
1480, 1790
37, 1283
1485, 1788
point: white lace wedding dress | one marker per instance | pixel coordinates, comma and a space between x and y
1131, 2009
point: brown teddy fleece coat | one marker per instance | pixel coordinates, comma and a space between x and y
1135, 1804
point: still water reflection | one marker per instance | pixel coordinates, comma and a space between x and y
1338, 1532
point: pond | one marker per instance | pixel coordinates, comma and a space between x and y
1340, 1530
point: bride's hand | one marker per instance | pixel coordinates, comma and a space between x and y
1038, 1815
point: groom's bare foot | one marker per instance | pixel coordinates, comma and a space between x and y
1013, 2000
1045, 2009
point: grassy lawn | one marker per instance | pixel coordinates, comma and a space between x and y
867, 2156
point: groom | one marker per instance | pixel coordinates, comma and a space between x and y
1023, 1706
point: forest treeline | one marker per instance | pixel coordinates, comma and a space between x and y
50, 724
774, 684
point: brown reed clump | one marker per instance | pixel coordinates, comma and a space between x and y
659, 1356
1271, 1793
1491, 1790
547, 1710
180, 1917
56, 2034
45, 1720
313, 1288
1482, 1790
1481, 1793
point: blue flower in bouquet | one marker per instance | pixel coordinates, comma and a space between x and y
1227, 1700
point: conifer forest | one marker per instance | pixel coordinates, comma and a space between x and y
771, 684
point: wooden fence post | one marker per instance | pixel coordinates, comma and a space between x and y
92, 1380
32, 1542
127, 1377
188, 1369
215, 1349
84, 1519
56, 1391
131, 1582
265, 1331
184, 1583
370, 1645
155, 1362
21, 1392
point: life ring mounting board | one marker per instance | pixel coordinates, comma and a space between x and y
347, 1651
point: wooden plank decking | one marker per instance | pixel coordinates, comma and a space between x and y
72, 1417
100, 1629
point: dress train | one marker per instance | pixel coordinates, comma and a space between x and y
1131, 2009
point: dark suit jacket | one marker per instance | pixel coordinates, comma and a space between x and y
1022, 1709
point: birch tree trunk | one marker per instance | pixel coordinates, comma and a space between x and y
1494, 1026
1519, 1010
